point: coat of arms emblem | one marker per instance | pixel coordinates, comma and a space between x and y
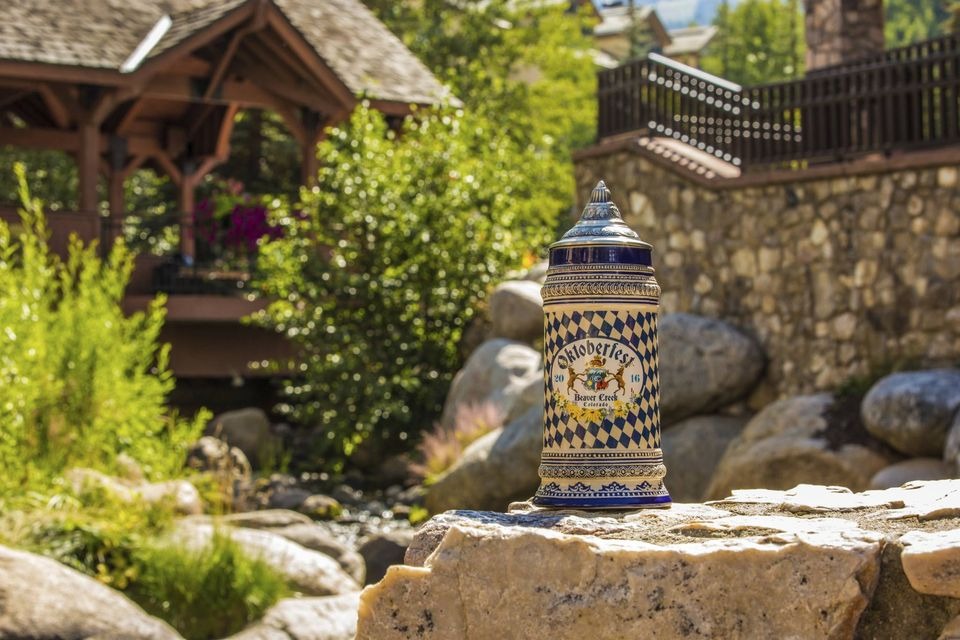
596, 374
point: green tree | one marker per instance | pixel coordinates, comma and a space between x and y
757, 42
909, 21
639, 33
399, 240
524, 65
53, 175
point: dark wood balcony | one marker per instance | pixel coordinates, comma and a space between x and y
905, 99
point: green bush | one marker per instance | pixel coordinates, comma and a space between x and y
80, 382
210, 592
377, 278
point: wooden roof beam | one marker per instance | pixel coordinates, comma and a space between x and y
292, 94
40, 138
171, 57
257, 23
180, 88
272, 53
392, 108
43, 72
253, 54
225, 131
12, 97
312, 59
133, 111
61, 140
59, 111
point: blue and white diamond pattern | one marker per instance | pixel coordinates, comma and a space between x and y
640, 429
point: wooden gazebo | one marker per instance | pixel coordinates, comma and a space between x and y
125, 84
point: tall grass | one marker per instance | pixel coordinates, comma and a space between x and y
443, 446
205, 593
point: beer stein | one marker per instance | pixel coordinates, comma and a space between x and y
601, 433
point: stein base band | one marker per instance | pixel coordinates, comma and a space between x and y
661, 502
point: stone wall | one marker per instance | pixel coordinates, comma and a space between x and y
839, 276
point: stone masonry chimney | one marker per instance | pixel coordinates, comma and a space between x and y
842, 30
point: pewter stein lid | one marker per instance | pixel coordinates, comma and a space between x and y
600, 236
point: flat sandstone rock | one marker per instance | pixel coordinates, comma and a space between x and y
804, 563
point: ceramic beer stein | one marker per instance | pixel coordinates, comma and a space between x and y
601, 436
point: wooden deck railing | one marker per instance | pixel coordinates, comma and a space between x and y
905, 99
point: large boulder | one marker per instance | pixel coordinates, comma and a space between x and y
317, 538
179, 494
811, 562
383, 550
300, 529
692, 449
42, 599
705, 364
951, 631
612, 578
516, 311
264, 519
248, 430
799, 440
309, 572
951, 450
496, 373
538, 272
495, 470
897, 610
913, 411
900, 473
284, 498
227, 466
329, 618
931, 560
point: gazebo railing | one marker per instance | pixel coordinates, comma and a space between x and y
907, 99
214, 270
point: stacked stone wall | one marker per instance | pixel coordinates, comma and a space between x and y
839, 277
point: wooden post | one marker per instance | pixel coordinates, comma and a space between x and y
115, 195
308, 163
115, 198
186, 201
312, 127
88, 166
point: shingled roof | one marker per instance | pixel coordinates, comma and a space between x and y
104, 34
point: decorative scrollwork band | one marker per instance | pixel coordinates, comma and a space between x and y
647, 288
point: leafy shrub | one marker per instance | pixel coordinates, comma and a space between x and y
398, 241
210, 592
80, 382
